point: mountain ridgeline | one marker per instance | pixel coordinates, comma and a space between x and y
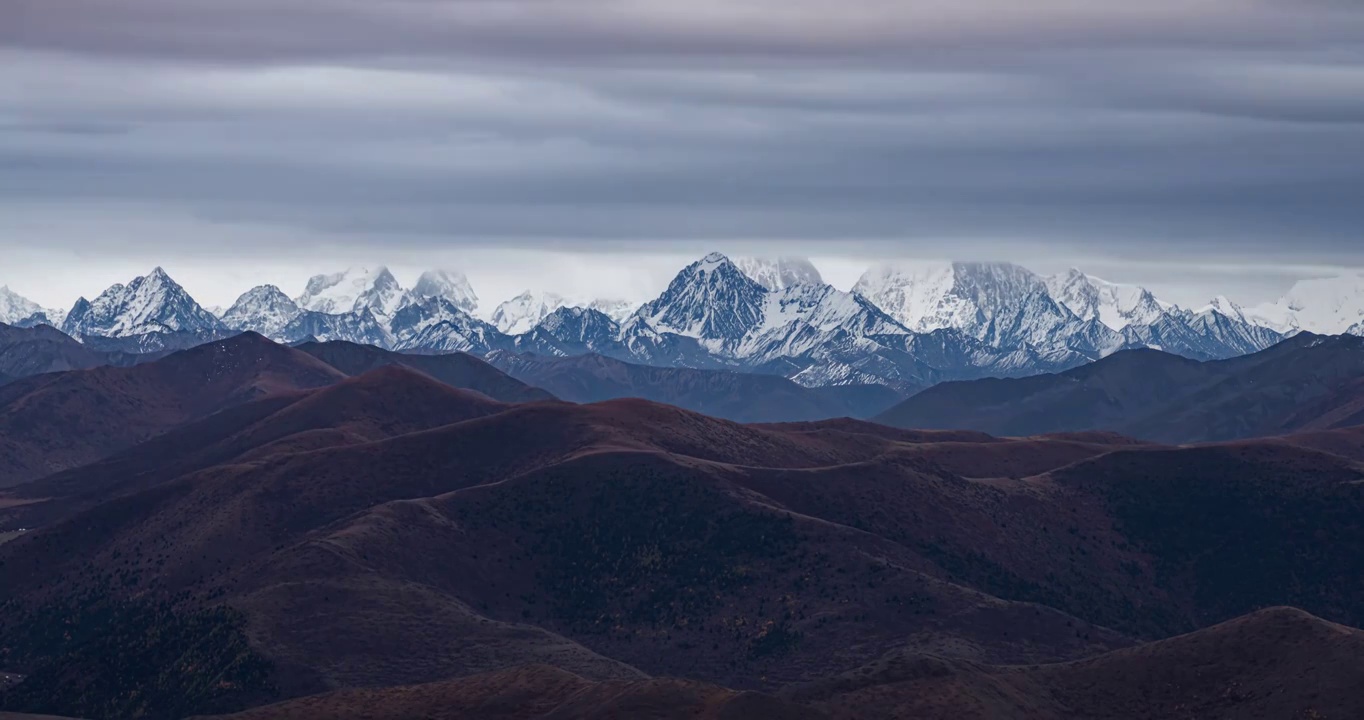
902, 327
1306, 383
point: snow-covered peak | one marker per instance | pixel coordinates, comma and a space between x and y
579, 326
436, 324
1115, 305
614, 308
449, 284
353, 289
15, 307
918, 295
153, 303
995, 284
1223, 305
525, 311
357, 326
779, 273
709, 299
1002, 304
930, 296
264, 309
1328, 306
799, 319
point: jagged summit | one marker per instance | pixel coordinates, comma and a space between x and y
903, 324
152, 303
449, 284
1114, 304
525, 311
710, 299
353, 289
264, 309
15, 307
1001, 303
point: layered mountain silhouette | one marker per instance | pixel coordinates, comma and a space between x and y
247, 523
43, 349
904, 327
57, 421
745, 397
1308, 382
52, 422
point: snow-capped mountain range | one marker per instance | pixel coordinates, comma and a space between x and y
1319, 305
901, 325
15, 309
151, 312
528, 309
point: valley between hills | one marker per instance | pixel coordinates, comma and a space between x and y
336, 530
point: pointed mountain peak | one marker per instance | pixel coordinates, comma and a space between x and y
383, 276
264, 309
152, 303
709, 299
450, 284
1223, 305
712, 262
15, 307
523, 312
261, 291
353, 289
1223, 301
1114, 304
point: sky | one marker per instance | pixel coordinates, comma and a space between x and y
1197, 147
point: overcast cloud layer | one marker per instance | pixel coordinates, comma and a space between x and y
1184, 134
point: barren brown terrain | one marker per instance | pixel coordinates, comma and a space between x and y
390, 542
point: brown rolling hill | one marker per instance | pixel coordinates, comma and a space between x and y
459, 370
744, 397
1277, 663
390, 531
57, 421
387, 402
537, 692
1271, 664
1308, 382
63, 421
44, 349
453, 550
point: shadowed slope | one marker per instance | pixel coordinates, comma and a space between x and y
459, 370
537, 692
1307, 382
1271, 664
627, 537
42, 349
53, 422
384, 403
353, 567
745, 397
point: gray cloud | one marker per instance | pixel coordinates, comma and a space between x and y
988, 126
